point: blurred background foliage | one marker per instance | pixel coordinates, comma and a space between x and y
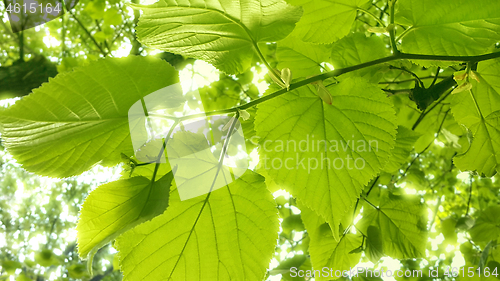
37, 226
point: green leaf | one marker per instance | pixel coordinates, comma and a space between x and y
449, 27
47, 258
10, 266
494, 267
326, 21
302, 58
112, 17
295, 129
287, 267
423, 97
479, 111
224, 33
483, 154
487, 226
249, 130
485, 253
401, 222
95, 9
292, 223
118, 206
77, 271
355, 49
100, 36
447, 228
81, 117
404, 144
228, 235
464, 223
23, 277
325, 250
374, 244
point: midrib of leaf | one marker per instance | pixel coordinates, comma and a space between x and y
211, 34
30, 138
205, 202
187, 240
338, 176
107, 90
342, 4
123, 221
215, 236
73, 149
483, 121
336, 246
328, 176
237, 228
192, 230
85, 99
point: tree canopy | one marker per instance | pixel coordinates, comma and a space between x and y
251, 140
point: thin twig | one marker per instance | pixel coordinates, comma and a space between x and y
397, 91
427, 147
411, 80
411, 73
105, 41
392, 29
370, 203
366, 12
88, 33
425, 112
